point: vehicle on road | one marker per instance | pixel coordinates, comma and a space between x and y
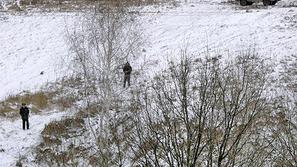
250, 2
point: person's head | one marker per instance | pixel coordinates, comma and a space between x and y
23, 104
127, 63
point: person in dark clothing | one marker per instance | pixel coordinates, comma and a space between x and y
127, 71
24, 112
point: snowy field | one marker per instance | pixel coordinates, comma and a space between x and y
16, 142
223, 29
31, 43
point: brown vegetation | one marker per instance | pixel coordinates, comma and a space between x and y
38, 101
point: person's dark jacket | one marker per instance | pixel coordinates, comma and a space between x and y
127, 69
24, 111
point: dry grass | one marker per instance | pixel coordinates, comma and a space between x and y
53, 135
57, 96
66, 5
38, 99
110, 2
37, 102
59, 128
64, 102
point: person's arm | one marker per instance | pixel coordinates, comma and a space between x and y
126, 69
27, 111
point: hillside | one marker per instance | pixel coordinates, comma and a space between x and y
27, 49
35, 51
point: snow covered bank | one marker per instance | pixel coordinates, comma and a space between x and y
31, 44
36, 42
221, 28
16, 142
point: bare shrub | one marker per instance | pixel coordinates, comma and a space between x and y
52, 150
82, 4
59, 128
101, 46
201, 112
284, 129
106, 39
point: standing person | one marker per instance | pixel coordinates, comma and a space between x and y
127, 71
24, 112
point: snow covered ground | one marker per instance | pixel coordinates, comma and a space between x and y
31, 43
15, 142
223, 29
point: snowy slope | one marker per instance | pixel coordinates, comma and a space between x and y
30, 44
36, 42
16, 142
224, 29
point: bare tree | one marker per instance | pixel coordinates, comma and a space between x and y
201, 112
106, 39
285, 128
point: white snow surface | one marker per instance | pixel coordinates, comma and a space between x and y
222, 28
31, 43
16, 142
